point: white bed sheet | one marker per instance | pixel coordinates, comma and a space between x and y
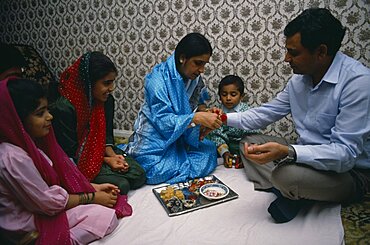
244, 220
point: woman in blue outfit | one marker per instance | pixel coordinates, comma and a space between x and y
168, 140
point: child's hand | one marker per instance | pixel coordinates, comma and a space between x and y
226, 157
117, 163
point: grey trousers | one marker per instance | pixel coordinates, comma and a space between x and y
299, 181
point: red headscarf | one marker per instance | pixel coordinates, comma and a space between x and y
52, 229
76, 86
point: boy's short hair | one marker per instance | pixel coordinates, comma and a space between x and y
231, 79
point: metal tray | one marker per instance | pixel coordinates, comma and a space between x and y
184, 197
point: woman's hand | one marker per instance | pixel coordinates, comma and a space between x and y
265, 153
213, 121
216, 110
107, 187
117, 163
107, 199
207, 119
106, 195
203, 132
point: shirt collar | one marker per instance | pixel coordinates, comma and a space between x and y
235, 109
332, 74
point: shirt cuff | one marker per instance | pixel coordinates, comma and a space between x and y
233, 119
222, 149
302, 153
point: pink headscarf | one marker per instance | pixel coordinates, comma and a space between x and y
52, 229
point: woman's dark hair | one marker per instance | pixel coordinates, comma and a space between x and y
10, 57
317, 26
100, 65
231, 79
26, 95
94, 66
193, 44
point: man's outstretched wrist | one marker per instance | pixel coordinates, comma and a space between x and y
290, 158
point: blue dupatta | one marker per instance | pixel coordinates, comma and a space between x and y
163, 144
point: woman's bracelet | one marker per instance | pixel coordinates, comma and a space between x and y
86, 198
81, 198
92, 197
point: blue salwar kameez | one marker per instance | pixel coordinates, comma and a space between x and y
162, 142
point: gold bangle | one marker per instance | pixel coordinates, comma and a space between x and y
93, 197
81, 198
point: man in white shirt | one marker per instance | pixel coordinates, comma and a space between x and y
328, 98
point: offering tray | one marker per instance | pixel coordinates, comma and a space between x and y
185, 197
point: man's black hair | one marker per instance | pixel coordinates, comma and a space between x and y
317, 26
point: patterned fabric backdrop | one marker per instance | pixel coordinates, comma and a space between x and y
137, 34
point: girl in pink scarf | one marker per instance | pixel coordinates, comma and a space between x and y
41, 189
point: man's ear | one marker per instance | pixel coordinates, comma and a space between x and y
322, 51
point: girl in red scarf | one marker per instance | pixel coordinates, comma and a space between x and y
83, 118
41, 189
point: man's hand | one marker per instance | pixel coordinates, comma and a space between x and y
265, 153
117, 163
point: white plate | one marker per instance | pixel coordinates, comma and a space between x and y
214, 191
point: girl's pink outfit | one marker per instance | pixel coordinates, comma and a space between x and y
35, 179
21, 186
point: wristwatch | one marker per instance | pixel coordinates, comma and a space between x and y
290, 158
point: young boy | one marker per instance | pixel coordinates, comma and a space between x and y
231, 92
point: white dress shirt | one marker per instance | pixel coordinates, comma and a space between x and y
332, 118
